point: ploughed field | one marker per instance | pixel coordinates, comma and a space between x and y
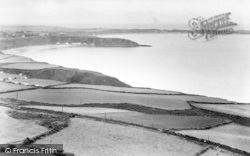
232, 109
86, 96
233, 135
12, 130
87, 137
148, 120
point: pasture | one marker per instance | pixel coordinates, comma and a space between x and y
5, 87
12, 130
88, 137
232, 109
118, 89
234, 135
86, 96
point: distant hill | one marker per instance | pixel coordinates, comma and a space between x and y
6, 43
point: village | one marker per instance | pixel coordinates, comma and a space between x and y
13, 34
11, 78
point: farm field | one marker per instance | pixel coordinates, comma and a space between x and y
233, 109
79, 110
4, 87
88, 137
29, 66
118, 89
166, 121
147, 91
219, 152
15, 59
156, 121
83, 96
40, 82
12, 130
233, 135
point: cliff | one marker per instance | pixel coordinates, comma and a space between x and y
69, 75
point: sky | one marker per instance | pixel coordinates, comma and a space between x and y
120, 13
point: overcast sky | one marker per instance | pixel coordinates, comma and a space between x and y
118, 13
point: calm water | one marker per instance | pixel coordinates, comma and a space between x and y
218, 68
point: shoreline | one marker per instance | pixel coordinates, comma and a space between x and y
16, 51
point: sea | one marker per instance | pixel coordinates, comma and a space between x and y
216, 68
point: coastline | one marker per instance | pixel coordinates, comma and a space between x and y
65, 72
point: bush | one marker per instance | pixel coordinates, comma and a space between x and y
11, 146
2, 149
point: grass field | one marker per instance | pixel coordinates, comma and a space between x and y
12, 130
87, 137
156, 121
40, 82
233, 135
233, 109
77, 110
82, 96
213, 152
5, 75
168, 121
4, 87
29, 66
118, 89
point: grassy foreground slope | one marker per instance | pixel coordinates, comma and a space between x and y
99, 138
12, 130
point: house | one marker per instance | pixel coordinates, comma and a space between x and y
24, 83
62, 34
28, 33
36, 85
44, 34
11, 78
